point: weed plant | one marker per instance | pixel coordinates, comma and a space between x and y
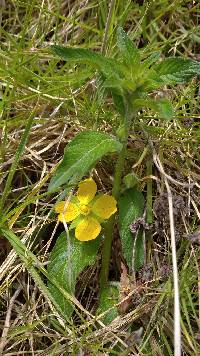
45, 102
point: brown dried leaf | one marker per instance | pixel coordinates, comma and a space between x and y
125, 289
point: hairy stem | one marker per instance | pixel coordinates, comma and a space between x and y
108, 230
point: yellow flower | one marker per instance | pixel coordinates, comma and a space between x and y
86, 211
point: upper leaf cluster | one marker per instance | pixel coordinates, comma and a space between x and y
132, 75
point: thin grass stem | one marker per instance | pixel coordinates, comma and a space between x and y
14, 165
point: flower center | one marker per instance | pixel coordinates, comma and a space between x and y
85, 210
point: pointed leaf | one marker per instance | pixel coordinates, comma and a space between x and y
129, 50
107, 66
131, 205
175, 70
162, 106
81, 154
66, 269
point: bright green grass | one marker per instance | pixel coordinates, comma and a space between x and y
43, 104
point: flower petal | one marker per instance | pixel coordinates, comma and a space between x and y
87, 229
86, 191
59, 207
67, 211
105, 206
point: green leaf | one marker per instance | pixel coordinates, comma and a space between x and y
131, 180
107, 66
109, 297
102, 92
139, 252
152, 81
175, 70
118, 101
129, 50
115, 87
66, 268
120, 85
131, 205
165, 108
147, 62
81, 154
162, 106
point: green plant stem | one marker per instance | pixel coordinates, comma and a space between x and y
149, 214
149, 193
108, 230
